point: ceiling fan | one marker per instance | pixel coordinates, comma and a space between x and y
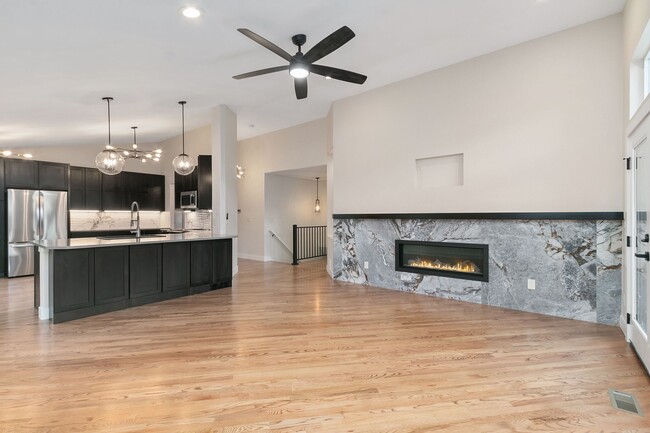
302, 64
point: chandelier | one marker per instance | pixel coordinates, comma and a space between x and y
111, 160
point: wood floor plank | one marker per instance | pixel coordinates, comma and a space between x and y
289, 350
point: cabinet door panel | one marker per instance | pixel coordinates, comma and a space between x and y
204, 183
201, 263
222, 261
144, 270
158, 193
111, 274
113, 194
21, 174
176, 266
73, 279
93, 189
52, 175
77, 188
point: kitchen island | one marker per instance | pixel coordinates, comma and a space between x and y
82, 277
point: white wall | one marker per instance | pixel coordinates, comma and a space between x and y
288, 149
224, 180
539, 125
289, 201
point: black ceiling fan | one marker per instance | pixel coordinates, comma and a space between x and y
301, 65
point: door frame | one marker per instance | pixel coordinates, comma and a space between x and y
637, 131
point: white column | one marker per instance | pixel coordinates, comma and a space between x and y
224, 179
45, 282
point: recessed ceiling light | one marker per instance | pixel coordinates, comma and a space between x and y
190, 12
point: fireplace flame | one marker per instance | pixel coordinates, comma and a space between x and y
467, 267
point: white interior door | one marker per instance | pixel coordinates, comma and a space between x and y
641, 204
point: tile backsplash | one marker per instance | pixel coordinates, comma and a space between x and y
82, 221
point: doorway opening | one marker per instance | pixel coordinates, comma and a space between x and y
290, 199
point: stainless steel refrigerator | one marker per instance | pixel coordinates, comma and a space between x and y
33, 215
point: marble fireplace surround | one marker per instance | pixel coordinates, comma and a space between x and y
574, 258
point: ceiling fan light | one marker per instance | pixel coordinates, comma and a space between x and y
190, 12
298, 70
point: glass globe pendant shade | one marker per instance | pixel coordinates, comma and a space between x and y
109, 162
183, 164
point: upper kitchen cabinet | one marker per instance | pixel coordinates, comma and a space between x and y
147, 190
114, 192
119, 191
53, 176
85, 188
92, 190
200, 180
20, 173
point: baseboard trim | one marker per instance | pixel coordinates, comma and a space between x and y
253, 257
44, 313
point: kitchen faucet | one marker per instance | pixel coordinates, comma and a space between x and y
135, 222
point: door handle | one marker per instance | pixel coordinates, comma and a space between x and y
645, 256
21, 245
646, 238
41, 205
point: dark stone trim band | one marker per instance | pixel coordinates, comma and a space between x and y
569, 216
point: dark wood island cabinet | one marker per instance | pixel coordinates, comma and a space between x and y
86, 276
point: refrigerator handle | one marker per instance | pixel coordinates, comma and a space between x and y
40, 215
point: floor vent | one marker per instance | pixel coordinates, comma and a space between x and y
626, 402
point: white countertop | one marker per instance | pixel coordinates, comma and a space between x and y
66, 244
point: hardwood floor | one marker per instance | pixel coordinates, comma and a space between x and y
289, 350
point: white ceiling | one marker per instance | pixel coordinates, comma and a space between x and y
60, 57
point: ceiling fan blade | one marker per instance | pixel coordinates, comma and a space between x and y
338, 74
261, 72
266, 44
301, 87
331, 43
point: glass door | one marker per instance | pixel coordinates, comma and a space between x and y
640, 299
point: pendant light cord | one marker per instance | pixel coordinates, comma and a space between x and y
108, 104
183, 122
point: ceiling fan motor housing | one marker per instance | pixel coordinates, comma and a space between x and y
299, 40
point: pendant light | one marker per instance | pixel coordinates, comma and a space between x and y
317, 204
183, 163
109, 161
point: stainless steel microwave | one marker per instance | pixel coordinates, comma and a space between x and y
188, 200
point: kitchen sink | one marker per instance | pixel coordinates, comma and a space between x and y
117, 237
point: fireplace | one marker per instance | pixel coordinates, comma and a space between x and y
444, 259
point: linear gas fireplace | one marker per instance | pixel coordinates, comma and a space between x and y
445, 259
